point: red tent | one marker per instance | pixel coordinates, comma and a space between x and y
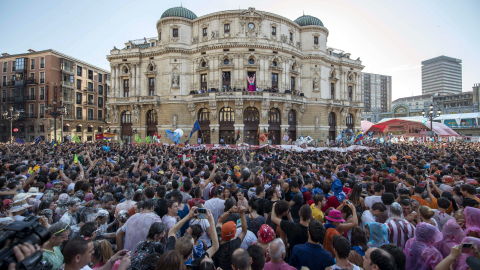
411, 127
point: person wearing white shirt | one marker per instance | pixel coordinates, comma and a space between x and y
377, 197
215, 204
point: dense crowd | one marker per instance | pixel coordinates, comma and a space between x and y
146, 206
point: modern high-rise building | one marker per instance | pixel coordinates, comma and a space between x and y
442, 75
377, 95
53, 94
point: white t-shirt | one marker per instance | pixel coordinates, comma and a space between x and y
370, 200
249, 239
367, 217
169, 221
216, 206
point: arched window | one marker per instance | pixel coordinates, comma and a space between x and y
251, 61
251, 115
274, 63
227, 115
125, 70
274, 116
332, 119
292, 117
204, 64
349, 121
226, 61
126, 117
151, 117
350, 93
203, 115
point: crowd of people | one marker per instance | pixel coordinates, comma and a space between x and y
147, 206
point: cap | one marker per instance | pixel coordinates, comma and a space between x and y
228, 230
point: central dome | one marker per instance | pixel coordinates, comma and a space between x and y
308, 20
179, 12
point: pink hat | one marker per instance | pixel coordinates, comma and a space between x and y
335, 216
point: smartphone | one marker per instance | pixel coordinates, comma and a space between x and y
201, 210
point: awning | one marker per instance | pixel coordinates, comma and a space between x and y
398, 123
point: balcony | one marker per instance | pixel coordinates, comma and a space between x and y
11, 83
245, 95
67, 84
30, 97
67, 69
20, 82
31, 81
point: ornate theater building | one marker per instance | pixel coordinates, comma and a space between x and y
240, 73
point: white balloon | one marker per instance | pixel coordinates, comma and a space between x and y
179, 132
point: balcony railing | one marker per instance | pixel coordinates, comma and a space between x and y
31, 81
67, 84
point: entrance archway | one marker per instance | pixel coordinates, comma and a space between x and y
274, 122
226, 129
151, 122
292, 125
251, 119
332, 122
126, 131
203, 118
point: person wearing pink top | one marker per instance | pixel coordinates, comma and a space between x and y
277, 254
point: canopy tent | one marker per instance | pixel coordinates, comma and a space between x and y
365, 125
411, 127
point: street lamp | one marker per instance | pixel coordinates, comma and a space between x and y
431, 115
11, 115
55, 112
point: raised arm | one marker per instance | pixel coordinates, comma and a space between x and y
173, 231
213, 235
244, 223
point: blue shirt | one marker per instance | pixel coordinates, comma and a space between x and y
312, 256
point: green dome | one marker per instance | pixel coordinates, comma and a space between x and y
179, 12
308, 20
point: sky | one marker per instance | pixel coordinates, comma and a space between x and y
391, 37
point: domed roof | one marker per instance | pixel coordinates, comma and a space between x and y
179, 12
308, 20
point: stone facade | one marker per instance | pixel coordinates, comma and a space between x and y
198, 69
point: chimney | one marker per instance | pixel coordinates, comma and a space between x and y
5, 54
31, 51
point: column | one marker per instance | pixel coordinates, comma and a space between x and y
214, 133
114, 85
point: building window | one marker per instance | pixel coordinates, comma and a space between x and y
99, 129
291, 36
125, 87
90, 100
32, 93
90, 86
226, 61
78, 129
32, 76
4, 81
332, 90
350, 93
79, 113
151, 86
89, 129
292, 83
204, 32
226, 80
175, 32
41, 128
100, 117
42, 110
251, 61
42, 93
274, 81
315, 40
78, 100
5, 66
100, 89
226, 28
32, 64
203, 82
31, 128
79, 71
100, 102
90, 74
42, 77
274, 30
79, 84
100, 77
31, 110
90, 114
4, 96
42, 62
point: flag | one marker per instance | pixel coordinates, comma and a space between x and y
108, 136
138, 139
75, 158
99, 136
359, 137
196, 127
76, 139
148, 139
19, 140
38, 139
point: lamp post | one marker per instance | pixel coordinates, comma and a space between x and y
11, 115
55, 112
431, 115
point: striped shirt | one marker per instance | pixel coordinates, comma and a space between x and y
399, 231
